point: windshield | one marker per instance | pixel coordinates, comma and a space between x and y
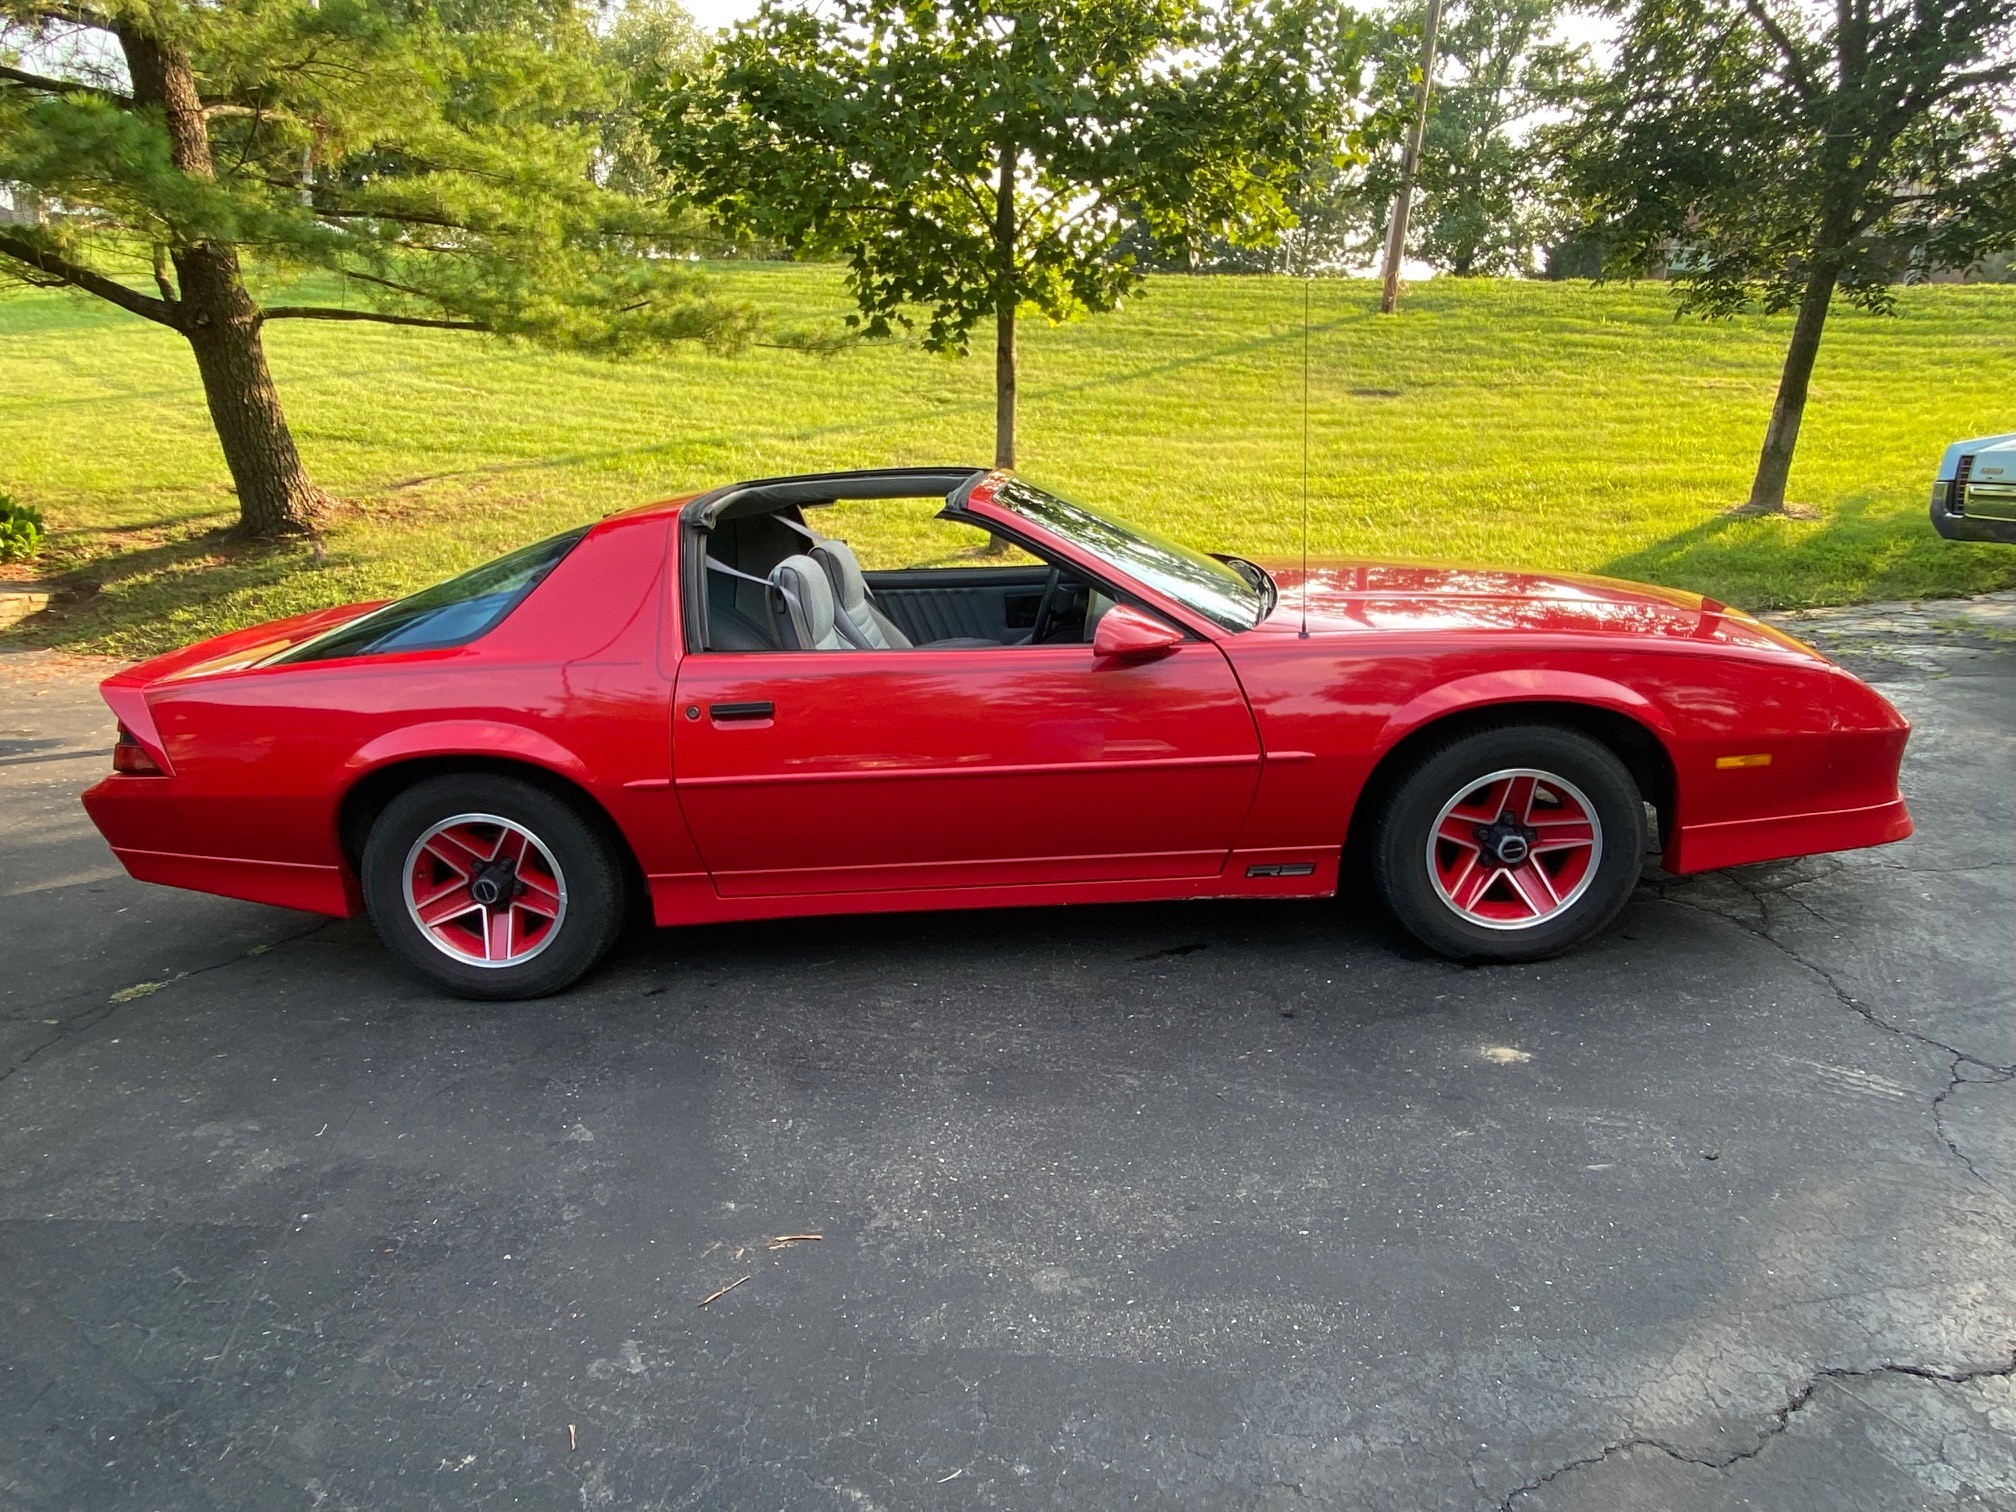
1211, 587
453, 613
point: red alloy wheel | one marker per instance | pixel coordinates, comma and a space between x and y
484, 891
1514, 849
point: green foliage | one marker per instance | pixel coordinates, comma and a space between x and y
1485, 198
645, 43
1486, 203
442, 157
1336, 213
20, 530
1747, 146
877, 131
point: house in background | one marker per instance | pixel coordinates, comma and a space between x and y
21, 206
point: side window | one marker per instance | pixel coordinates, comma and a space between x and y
951, 584
907, 535
883, 575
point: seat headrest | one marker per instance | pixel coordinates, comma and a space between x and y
843, 571
805, 604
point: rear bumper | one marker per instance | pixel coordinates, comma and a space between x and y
1705, 847
284, 884
151, 835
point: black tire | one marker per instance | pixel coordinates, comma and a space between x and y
589, 870
1405, 876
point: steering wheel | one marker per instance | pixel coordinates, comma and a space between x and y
1046, 611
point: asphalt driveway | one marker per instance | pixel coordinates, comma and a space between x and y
1193, 1206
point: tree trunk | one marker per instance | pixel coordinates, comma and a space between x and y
1004, 311
1774, 463
1004, 388
1004, 325
217, 315
1410, 161
275, 496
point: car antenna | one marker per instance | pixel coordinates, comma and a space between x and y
1306, 279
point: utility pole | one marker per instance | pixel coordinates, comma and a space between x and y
1410, 160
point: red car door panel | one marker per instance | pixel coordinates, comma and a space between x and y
867, 771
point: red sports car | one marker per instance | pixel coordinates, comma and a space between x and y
708, 705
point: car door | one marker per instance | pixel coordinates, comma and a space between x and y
875, 771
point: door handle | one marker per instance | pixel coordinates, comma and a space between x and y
723, 712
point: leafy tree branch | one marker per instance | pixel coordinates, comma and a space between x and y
447, 162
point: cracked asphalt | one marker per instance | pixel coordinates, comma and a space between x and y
1193, 1206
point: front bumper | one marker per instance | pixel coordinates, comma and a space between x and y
1776, 837
1960, 525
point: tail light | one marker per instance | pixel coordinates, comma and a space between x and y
130, 758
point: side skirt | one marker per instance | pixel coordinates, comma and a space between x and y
691, 897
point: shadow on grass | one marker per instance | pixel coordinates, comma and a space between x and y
133, 527
120, 604
1868, 548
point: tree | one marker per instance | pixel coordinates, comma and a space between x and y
1485, 199
979, 158
1484, 205
1778, 152
644, 43
440, 157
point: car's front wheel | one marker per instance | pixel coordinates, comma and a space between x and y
1511, 843
491, 887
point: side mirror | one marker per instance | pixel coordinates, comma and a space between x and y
1126, 631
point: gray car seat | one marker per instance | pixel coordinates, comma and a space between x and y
802, 602
856, 616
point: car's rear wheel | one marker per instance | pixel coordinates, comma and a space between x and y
1511, 843
491, 887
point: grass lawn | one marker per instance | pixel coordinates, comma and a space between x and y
1533, 424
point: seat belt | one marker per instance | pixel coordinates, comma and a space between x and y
768, 587
736, 572
804, 530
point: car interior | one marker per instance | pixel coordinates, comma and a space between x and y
774, 583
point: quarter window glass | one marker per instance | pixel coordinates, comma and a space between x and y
453, 613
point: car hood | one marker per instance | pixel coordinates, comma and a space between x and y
1994, 458
1349, 598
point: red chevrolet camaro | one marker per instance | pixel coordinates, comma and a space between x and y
707, 705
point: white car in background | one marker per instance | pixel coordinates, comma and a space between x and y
1974, 495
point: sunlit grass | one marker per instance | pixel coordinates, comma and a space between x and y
1532, 424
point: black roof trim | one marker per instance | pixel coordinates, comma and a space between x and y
825, 488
